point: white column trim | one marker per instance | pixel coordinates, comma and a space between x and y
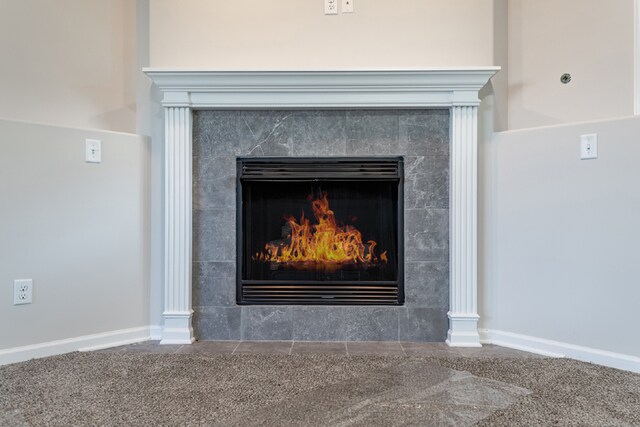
463, 233
178, 225
453, 88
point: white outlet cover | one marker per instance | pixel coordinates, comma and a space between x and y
347, 6
93, 151
22, 291
589, 146
330, 7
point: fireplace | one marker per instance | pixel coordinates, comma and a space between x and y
320, 231
326, 113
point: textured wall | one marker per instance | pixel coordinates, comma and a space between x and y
421, 136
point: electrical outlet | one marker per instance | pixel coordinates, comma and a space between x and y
330, 7
22, 291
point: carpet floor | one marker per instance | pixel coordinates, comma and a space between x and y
313, 389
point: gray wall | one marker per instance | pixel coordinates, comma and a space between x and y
79, 230
421, 136
563, 235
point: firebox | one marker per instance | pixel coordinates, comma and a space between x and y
320, 231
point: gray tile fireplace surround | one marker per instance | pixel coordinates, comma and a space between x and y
421, 136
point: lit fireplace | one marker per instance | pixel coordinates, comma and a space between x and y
320, 231
324, 245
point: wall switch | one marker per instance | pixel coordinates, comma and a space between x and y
93, 151
22, 291
589, 146
330, 7
347, 6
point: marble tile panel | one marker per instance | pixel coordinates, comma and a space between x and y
269, 132
423, 324
264, 323
345, 323
246, 133
319, 133
416, 182
440, 182
371, 323
372, 132
427, 284
312, 323
424, 132
217, 133
214, 182
214, 235
426, 182
214, 283
216, 323
426, 234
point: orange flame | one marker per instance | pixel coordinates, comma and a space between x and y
324, 243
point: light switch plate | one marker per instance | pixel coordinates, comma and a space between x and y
589, 146
93, 151
347, 6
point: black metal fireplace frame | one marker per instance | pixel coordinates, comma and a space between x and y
270, 169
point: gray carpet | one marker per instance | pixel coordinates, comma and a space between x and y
564, 392
308, 389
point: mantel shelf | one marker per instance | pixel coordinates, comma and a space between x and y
381, 88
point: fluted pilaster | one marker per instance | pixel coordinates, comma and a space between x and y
463, 311
178, 223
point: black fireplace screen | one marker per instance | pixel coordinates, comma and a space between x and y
320, 231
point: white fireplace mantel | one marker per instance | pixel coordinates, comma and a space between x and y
453, 88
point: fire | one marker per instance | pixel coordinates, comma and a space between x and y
324, 243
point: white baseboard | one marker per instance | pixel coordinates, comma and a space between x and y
155, 332
82, 343
560, 349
